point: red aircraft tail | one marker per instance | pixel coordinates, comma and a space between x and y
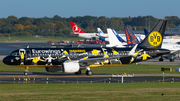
75, 28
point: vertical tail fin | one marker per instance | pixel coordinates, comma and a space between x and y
146, 32
100, 32
131, 38
101, 35
75, 28
117, 36
154, 39
113, 40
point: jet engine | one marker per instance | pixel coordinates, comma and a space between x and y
70, 67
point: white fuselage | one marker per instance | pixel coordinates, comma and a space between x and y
87, 35
174, 48
123, 36
171, 40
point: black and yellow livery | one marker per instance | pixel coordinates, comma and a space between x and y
73, 60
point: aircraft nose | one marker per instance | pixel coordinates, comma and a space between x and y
5, 60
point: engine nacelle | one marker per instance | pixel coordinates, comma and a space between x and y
70, 67
52, 69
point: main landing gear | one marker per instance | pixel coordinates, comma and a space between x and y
171, 59
88, 72
161, 59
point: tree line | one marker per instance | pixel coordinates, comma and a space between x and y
58, 26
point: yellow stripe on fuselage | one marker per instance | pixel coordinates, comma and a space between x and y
94, 65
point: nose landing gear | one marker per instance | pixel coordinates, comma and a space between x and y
26, 71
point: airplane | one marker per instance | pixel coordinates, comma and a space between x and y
130, 36
75, 59
122, 37
114, 38
175, 51
104, 36
77, 31
100, 35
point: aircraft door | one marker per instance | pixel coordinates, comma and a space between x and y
28, 53
26, 56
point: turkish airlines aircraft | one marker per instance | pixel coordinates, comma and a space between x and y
80, 33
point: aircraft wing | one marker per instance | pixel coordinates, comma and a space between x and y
160, 52
90, 61
102, 59
175, 52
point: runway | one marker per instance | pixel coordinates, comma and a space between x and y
33, 77
40, 78
7, 48
165, 62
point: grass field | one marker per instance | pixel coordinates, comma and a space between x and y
89, 92
129, 69
95, 91
32, 39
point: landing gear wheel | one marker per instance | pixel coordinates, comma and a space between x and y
25, 73
78, 73
161, 59
89, 72
171, 60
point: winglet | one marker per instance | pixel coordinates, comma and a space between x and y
146, 32
133, 50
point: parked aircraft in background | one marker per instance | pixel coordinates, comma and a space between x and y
100, 35
122, 37
130, 36
175, 51
114, 42
77, 31
104, 36
114, 39
75, 59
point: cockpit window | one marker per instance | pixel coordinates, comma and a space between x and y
15, 54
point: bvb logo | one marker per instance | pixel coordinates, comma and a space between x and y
155, 38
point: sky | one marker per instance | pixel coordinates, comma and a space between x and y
74, 8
